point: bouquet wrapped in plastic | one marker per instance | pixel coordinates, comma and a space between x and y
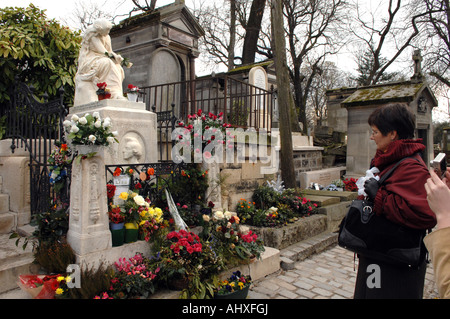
39, 286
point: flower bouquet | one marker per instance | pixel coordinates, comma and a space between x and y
90, 130
59, 163
236, 243
235, 287
132, 207
132, 93
116, 225
43, 286
102, 92
151, 221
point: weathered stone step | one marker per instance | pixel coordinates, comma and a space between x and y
343, 196
306, 248
14, 261
281, 237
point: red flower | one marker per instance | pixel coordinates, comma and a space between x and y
110, 190
117, 171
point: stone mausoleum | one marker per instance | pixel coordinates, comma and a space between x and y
349, 109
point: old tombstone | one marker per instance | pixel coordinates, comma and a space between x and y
258, 78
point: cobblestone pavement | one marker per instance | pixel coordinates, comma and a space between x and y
330, 274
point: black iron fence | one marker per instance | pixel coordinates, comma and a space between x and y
36, 126
242, 104
148, 179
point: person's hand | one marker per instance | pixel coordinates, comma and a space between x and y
438, 197
371, 188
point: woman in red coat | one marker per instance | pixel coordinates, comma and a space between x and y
401, 199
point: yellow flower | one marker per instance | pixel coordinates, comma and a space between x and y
123, 195
68, 279
241, 285
60, 278
59, 291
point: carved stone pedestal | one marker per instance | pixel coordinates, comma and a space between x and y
89, 223
136, 128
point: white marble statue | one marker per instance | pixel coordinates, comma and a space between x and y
97, 63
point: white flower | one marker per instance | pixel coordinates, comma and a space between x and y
75, 118
139, 200
110, 139
107, 122
92, 138
74, 129
228, 214
218, 215
82, 120
98, 123
67, 123
96, 115
115, 133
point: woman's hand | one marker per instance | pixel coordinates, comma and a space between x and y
438, 197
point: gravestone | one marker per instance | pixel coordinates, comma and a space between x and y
258, 78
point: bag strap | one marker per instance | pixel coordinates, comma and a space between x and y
386, 175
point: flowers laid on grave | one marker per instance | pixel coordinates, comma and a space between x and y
44, 286
204, 133
235, 287
133, 277
60, 161
187, 263
102, 91
350, 185
235, 243
90, 129
152, 220
270, 208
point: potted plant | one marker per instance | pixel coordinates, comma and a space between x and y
116, 225
102, 92
189, 264
235, 287
132, 93
132, 206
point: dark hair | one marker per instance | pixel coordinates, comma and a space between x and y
394, 117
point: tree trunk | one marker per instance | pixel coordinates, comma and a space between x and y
252, 31
232, 35
285, 100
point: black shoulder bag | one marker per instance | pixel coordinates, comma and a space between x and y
375, 237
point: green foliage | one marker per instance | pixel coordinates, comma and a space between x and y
39, 51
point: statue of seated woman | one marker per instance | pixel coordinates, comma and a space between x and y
97, 63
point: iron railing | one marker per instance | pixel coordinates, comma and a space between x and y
243, 105
36, 127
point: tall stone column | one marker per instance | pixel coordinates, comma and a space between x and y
89, 223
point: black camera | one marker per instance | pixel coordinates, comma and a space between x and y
440, 164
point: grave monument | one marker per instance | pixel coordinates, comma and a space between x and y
88, 233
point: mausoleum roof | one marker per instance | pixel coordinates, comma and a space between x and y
405, 91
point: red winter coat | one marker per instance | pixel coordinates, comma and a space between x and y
402, 197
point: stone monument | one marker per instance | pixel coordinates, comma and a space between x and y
89, 234
97, 63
